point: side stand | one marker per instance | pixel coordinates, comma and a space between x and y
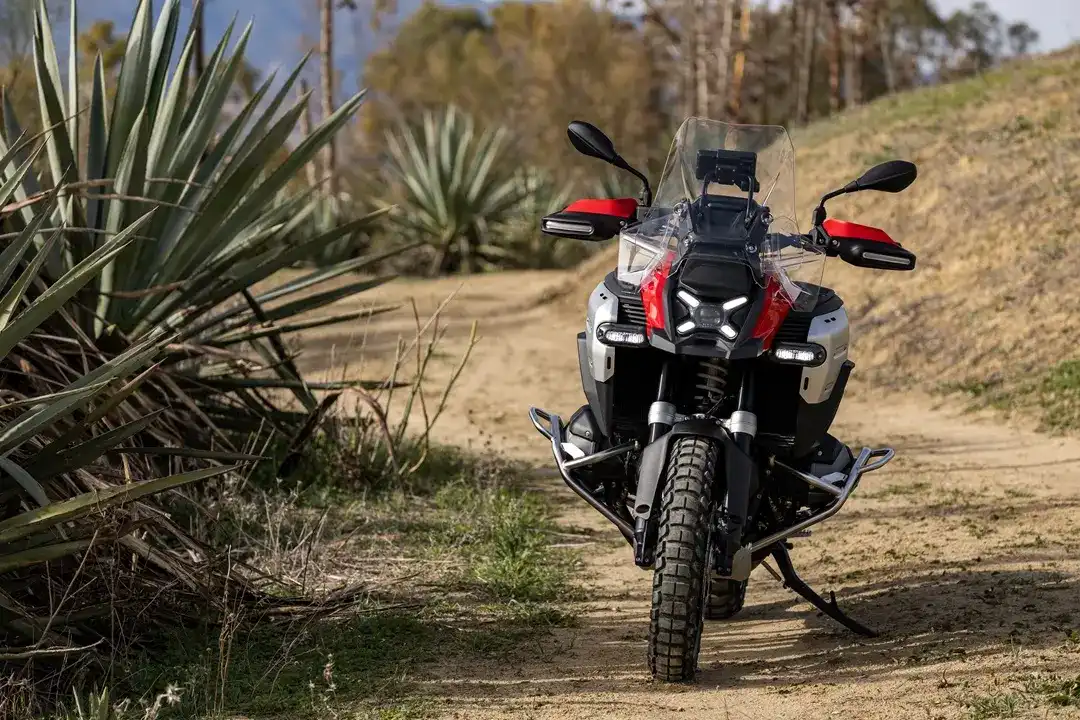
792, 580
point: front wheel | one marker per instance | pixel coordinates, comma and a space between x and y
679, 576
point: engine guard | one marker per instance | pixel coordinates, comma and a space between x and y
551, 427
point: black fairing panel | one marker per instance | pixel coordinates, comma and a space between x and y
599, 394
813, 421
714, 280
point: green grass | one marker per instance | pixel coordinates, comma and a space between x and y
1057, 692
1036, 691
488, 584
1000, 705
1053, 397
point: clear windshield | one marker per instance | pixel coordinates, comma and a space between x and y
728, 190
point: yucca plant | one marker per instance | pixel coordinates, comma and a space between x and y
452, 184
131, 343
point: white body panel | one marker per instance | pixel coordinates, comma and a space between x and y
830, 332
603, 308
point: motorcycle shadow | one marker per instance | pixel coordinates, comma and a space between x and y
923, 620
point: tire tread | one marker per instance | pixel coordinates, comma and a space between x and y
676, 619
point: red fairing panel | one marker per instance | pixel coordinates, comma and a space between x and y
652, 295
855, 231
617, 207
777, 307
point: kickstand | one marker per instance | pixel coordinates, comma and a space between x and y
797, 584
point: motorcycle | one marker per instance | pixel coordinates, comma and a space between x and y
713, 363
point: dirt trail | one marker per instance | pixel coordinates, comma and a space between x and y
964, 551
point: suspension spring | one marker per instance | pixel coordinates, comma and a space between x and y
711, 382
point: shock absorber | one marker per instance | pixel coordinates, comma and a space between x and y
711, 382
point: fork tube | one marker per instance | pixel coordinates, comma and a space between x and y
745, 404
661, 418
661, 412
734, 558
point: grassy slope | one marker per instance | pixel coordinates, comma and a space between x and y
992, 306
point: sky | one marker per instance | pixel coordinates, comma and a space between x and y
282, 27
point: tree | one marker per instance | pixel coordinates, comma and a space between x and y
808, 38
740, 59
326, 54
976, 37
723, 55
1022, 37
529, 67
835, 50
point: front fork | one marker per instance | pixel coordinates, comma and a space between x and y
732, 557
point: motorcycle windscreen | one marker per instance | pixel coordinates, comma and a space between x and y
711, 162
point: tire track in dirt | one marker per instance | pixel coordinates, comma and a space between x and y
964, 551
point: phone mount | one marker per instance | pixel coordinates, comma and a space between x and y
728, 167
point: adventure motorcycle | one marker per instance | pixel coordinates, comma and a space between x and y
713, 363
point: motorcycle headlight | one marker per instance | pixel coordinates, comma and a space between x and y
710, 316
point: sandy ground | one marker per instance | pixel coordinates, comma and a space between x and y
963, 551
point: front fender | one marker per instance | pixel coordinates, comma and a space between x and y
655, 456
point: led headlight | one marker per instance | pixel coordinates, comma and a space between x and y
625, 335
806, 354
709, 316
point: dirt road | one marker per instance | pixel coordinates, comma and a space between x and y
964, 551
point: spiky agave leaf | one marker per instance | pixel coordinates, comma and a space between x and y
452, 186
158, 148
149, 237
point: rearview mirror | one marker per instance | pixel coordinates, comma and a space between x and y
891, 177
589, 140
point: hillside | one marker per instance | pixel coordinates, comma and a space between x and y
993, 219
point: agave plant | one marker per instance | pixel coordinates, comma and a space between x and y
129, 336
453, 187
217, 226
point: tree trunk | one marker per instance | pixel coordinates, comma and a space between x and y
688, 88
809, 47
847, 62
858, 56
793, 45
884, 30
740, 60
326, 50
310, 170
701, 52
836, 41
769, 24
723, 57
